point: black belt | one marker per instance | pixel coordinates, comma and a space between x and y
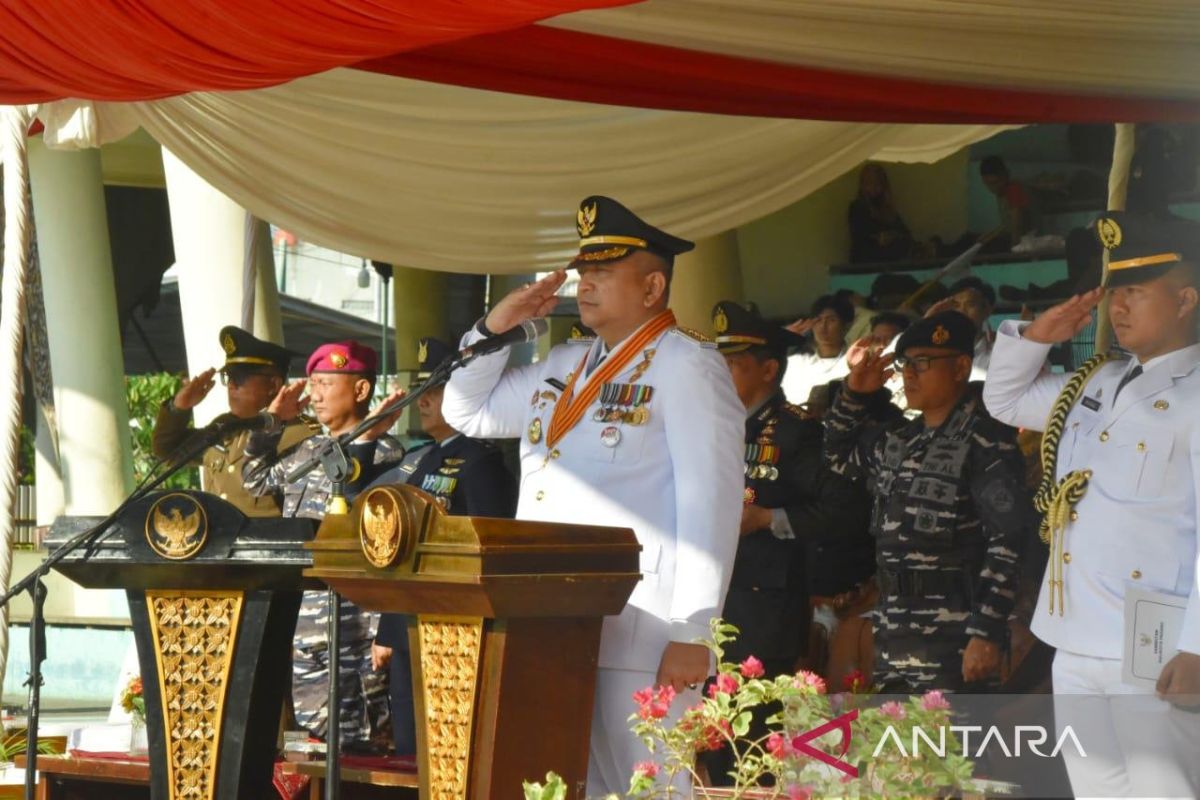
923, 582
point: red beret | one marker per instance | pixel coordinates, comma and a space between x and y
348, 356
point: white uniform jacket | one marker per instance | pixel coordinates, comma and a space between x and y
676, 480
1137, 523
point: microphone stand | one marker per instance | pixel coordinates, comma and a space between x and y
32, 583
333, 459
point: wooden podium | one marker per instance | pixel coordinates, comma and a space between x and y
213, 596
505, 637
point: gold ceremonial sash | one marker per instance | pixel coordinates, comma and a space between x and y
570, 408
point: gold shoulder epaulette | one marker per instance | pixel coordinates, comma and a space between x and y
794, 410
695, 336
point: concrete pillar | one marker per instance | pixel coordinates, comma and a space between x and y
81, 315
51, 502
210, 235
709, 273
419, 303
268, 321
94, 470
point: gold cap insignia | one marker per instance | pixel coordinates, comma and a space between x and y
380, 529
228, 344
176, 526
940, 335
1109, 232
338, 360
422, 351
585, 220
720, 321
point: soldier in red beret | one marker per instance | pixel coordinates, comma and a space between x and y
341, 381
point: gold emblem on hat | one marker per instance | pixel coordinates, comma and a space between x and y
1109, 231
422, 351
229, 345
940, 335
176, 527
380, 529
585, 220
720, 321
338, 359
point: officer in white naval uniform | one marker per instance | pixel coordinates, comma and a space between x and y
1127, 437
640, 428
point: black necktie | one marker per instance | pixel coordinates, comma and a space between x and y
1129, 376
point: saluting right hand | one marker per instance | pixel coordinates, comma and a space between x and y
194, 390
288, 403
1061, 322
869, 368
802, 325
529, 301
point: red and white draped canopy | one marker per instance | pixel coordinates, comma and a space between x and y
479, 123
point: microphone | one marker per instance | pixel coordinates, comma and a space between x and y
221, 430
528, 331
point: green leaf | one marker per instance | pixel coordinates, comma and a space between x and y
741, 723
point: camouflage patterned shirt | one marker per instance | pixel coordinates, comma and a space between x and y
265, 472
949, 499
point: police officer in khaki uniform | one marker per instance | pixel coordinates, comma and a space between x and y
254, 371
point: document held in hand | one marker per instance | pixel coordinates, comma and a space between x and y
1153, 622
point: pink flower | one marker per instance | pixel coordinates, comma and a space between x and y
647, 768
725, 683
934, 700
810, 680
654, 702
777, 745
892, 709
752, 668
795, 792
855, 682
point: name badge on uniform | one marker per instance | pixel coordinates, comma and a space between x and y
1091, 402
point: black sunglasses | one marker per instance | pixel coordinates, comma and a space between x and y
919, 363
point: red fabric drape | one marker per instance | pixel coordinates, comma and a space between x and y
146, 49
548, 62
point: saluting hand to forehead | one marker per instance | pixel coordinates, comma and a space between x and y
288, 403
531, 300
1062, 322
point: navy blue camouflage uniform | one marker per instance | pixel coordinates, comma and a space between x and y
364, 709
949, 513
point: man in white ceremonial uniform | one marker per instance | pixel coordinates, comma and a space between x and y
1121, 503
639, 428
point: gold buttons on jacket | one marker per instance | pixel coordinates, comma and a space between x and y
1104, 436
1161, 405
1074, 516
1136, 574
540, 494
1141, 447
1066, 558
554, 453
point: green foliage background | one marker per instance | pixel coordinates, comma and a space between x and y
146, 394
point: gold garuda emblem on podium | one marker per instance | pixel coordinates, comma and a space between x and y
176, 526
380, 529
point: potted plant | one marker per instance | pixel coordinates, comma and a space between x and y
816, 744
13, 743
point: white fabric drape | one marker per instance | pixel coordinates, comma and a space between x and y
447, 178
1139, 47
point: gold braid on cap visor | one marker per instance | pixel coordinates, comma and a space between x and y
1144, 261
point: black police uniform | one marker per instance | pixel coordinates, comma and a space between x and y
768, 596
949, 515
465, 476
